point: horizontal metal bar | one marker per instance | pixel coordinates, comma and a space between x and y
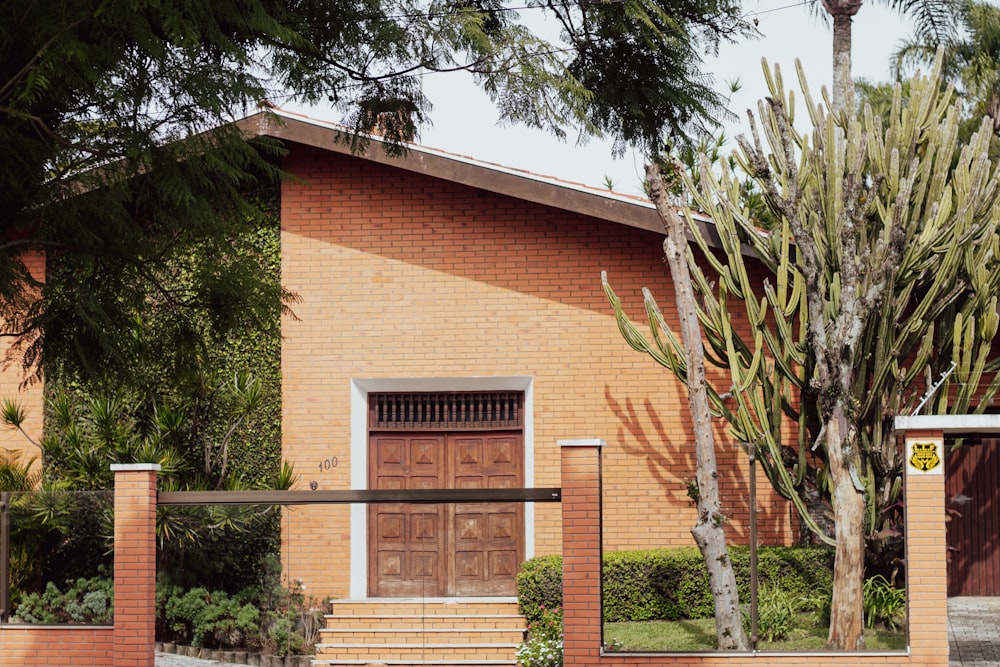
532, 495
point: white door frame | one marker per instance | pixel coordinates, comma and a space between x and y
360, 388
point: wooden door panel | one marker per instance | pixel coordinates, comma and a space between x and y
504, 453
488, 537
407, 540
470, 549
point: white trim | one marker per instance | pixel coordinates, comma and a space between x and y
359, 480
950, 423
583, 442
135, 467
360, 388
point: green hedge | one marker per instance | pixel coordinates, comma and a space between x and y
672, 584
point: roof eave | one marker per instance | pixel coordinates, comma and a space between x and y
619, 209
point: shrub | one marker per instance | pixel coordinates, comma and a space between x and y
539, 586
269, 616
548, 626
684, 584
544, 647
818, 604
775, 612
283, 639
213, 619
86, 601
672, 584
540, 653
292, 620
634, 587
883, 602
800, 571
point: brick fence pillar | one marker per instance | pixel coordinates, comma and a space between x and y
926, 548
581, 549
135, 564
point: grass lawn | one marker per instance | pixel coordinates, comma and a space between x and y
699, 635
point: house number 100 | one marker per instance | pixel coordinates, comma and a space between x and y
326, 464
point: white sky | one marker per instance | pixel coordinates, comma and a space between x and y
465, 122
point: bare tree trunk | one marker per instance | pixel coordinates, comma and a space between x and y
847, 609
841, 61
708, 529
842, 12
993, 110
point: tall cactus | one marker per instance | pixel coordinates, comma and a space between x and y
882, 271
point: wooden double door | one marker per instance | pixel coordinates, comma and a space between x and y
440, 550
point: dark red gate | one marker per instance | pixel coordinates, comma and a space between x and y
971, 491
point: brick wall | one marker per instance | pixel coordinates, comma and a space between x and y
135, 564
406, 276
55, 645
130, 642
926, 580
30, 398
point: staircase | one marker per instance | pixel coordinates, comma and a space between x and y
443, 632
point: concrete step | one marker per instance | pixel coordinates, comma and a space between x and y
422, 607
407, 652
441, 635
424, 623
439, 632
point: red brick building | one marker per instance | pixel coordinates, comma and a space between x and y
452, 327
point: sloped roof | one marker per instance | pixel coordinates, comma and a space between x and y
600, 203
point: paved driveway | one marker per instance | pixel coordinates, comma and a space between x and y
973, 632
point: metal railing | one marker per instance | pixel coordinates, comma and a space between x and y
417, 496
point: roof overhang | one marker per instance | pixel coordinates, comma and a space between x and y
597, 203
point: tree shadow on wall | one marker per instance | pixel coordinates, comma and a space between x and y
673, 465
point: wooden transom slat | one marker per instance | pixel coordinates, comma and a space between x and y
456, 411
